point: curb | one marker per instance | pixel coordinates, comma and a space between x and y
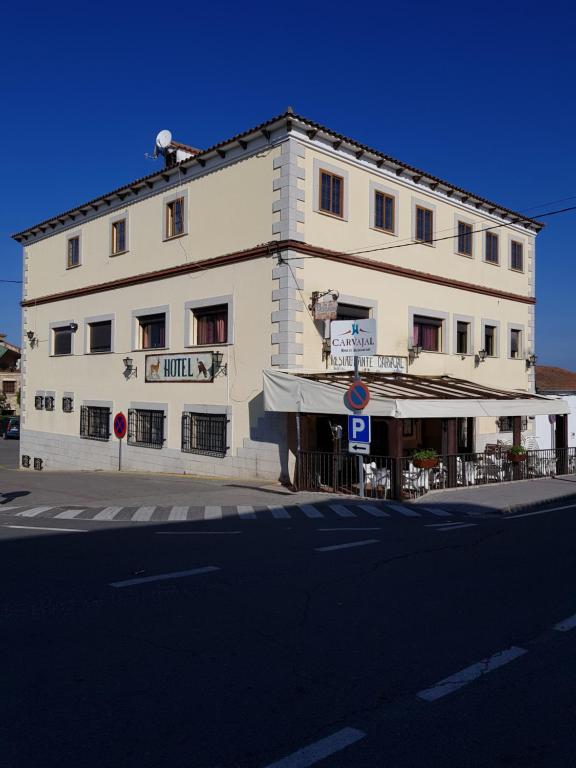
515, 509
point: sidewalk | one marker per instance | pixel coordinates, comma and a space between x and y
504, 498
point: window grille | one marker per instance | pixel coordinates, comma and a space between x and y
25, 460
204, 433
146, 428
505, 424
49, 403
67, 404
39, 403
94, 423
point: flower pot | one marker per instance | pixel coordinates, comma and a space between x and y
515, 458
425, 463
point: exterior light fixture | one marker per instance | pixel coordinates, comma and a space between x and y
481, 356
129, 368
531, 360
73, 327
414, 351
32, 338
218, 368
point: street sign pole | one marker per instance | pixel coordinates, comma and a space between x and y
360, 460
120, 426
120, 455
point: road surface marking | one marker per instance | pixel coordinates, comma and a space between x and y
38, 528
212, 513
164, 576
108, 513
540, 512
349, 529
455, 527
311, 511
178, 513
373, 510
246, 513
68, 514
279, 513
342, 511
347, 546
6, 509
566, 625
33, 512
143, 514
443, 525
404, 510
435, 511
469, 674
320, 750
196, 533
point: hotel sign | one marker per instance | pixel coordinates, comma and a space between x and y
189, 366
353, 338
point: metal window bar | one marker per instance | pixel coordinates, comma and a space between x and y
204, 433
146, 428
94, 423
39, 403
67, 404
49, 403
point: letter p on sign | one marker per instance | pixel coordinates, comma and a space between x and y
359, 428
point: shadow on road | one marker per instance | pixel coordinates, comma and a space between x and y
6, 498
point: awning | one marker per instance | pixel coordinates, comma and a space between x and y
401, 396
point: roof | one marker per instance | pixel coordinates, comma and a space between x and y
552, 379
314, 130
401, 396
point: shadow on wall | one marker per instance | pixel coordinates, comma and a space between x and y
270, 430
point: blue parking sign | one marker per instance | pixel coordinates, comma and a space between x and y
359, 428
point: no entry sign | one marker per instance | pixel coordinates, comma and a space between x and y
120, 425
357, 396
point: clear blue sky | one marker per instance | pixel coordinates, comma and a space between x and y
479, 94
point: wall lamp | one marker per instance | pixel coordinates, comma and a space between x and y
218, 368
32, 338
414, 351
531, 360
480, 357
129, 368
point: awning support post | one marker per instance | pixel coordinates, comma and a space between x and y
298, 452
451, 450
516, 430
395, 445
562, 444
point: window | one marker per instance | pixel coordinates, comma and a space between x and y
424, 224
73, 258
331, 193
491, 254
67, 404
352, 312
146, 428
62, 340
152, 331
94, 422
464, 238
462, 338
428, 333
505, 424
175, 217
517, 256
49, 403
204, 433
9, 387
384, 211
212, 324
515, 343
101, 336
39, 402
490, 346
118, 236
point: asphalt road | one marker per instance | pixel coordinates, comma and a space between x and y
257, 643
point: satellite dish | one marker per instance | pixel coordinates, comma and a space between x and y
163, 140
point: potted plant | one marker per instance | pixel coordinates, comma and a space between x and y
517, 453
425, 458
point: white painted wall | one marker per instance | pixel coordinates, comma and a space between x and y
545, 432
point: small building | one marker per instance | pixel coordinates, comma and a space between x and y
9, 377
187, 299
561, 383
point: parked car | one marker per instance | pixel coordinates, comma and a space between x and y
13, 430
4, 421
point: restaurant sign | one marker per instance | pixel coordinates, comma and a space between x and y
353, 337
370, 363
189, 366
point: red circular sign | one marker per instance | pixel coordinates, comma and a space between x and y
120, 425
357, 396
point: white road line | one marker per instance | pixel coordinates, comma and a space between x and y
247, 513
435, 511
279, 513
403, 510
456, 527
469, 674
540, 512
342, 511
164, 576
108, 513
444, 525
143, 513
38, 528
196, 533
7, 509
347, 546
311, 511
33, 512
320, 750
212, 513
178, 513
68, 514
373, 510
348, 529
566, 625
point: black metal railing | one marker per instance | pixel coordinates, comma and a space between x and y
146, 428
204, 433
386, 477
94, 423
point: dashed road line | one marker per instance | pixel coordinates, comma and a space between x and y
178, 513
280, 513
340, 530
247, 513
143, 514
471, 673
566, 625
68, 514
40, 528
347, 546
212, 513
164, 576
197, 533
320, 750
310, 510
372, 509
457, 527
403, 510
341, 510
436, 511
108, 513
33, 512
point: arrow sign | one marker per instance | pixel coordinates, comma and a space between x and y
359, 448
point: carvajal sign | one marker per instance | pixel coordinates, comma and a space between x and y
370, 363
353, 337
189, 366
